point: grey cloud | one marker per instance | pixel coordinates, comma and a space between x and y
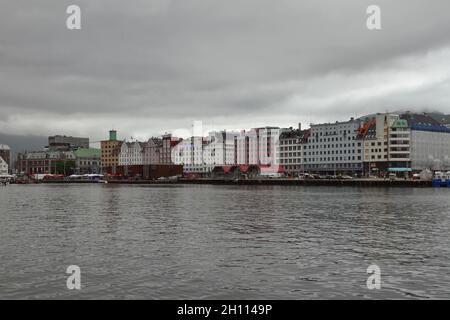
155, 65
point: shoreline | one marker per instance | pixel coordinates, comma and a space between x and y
268, 182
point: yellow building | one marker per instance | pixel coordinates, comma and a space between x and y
110, 153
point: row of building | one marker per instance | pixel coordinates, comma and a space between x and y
63, 155
372, 145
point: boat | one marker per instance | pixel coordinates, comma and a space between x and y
441, 179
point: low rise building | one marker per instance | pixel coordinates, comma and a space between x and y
46, 162
88, 161
5, 153
4, 167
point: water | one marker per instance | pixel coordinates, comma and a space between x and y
223, 242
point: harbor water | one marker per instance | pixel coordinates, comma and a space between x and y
223, 242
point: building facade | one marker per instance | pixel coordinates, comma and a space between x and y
429, 142
131, 154
59, 142
152, 151
292, 142
4, 167
220, 149
333, 148
5, 153
189, 154
110, 153
375, 135
46, 162
88, 161
258, 146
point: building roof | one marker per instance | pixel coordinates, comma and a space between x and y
88, 153
368, 130
4, 147
293, 134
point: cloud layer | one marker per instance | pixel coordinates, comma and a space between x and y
149, 66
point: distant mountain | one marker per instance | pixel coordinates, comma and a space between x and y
22, 143
442, 118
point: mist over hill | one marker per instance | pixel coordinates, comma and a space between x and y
21, 143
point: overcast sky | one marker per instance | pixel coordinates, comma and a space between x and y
149, 66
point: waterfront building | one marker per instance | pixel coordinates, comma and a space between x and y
168, 143
429, 143
258, 146
46, 162
399, 146
404, 143
375, 135
88, 161
189, 154
62, 143
220, 149
131, 154
152, 151
4, 167
110, 153
333, 148
290, 153
5, 153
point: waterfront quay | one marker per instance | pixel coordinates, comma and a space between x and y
275, 182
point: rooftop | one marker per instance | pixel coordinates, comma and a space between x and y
88, 153
4, 147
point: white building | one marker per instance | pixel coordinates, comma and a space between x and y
334, 148
189, 153
4, 168
220, 149
131, 153
152, 151
430, 150
399, 146
429, 143
259, 146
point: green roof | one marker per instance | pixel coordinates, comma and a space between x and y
400, 123
88, 153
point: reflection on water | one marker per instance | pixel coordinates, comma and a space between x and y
223, 242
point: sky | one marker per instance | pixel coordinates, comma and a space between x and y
146, 67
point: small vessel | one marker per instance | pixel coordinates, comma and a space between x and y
441, 179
